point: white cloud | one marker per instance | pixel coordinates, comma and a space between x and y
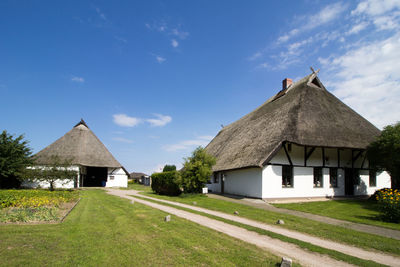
125, 121
386, 23
123, 140
174, 43
326, 15
121, 39
189, 144
357, 28
161, 120
77, 79
181, 34
367, 78
101, 14
384, 14
376, 7
160, 59
255, 56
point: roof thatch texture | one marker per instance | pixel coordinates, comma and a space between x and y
81, 146
305, 114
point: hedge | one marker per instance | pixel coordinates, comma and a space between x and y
166, 183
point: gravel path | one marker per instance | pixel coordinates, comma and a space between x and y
346, 249
370, 229
276, 246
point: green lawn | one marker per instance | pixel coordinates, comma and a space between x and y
140, 187
359, 211
311, 227
104, 230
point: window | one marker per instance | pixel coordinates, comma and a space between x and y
333, 177
318, 181
216, 178
372, 178
287, 176
111, 177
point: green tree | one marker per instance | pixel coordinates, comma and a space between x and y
57, 171
14, 157
384, 153
168, 168
197, 170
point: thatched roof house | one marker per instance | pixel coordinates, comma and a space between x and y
303, 114
81, 147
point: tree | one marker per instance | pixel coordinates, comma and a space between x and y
384, 153
14, 157
57, 171
197, 170
168, 168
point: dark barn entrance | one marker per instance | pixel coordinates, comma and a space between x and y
95, 177
348, 182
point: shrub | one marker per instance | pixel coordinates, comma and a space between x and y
389, 204
197, 170
168, 168
166, 183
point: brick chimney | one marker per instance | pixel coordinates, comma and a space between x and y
286, 83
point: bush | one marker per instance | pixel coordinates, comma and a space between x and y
389, 204
168, 168
197, 170
166, 183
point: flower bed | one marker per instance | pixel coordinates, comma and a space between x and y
389, 202
34, 205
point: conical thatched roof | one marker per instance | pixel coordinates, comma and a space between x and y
81, 146
305, 114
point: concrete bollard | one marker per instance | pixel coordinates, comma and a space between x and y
280, 222
286, 262
236, 212
167, 218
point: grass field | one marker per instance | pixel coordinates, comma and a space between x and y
140, 187
357, 210
311, 227
104, 230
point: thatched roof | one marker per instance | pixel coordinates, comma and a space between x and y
305, 113
81, 146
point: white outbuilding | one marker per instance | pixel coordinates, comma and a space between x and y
94, 164
302, 142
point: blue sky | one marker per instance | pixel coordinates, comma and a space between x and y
156, 79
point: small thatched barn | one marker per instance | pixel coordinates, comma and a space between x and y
302, 142
94, 164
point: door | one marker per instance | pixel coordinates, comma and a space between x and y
222, 183
348, 182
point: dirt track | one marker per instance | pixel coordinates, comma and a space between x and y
274, 245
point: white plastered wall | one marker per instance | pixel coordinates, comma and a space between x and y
244, 182
116, 178
303, 176
57, 184
303, 183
